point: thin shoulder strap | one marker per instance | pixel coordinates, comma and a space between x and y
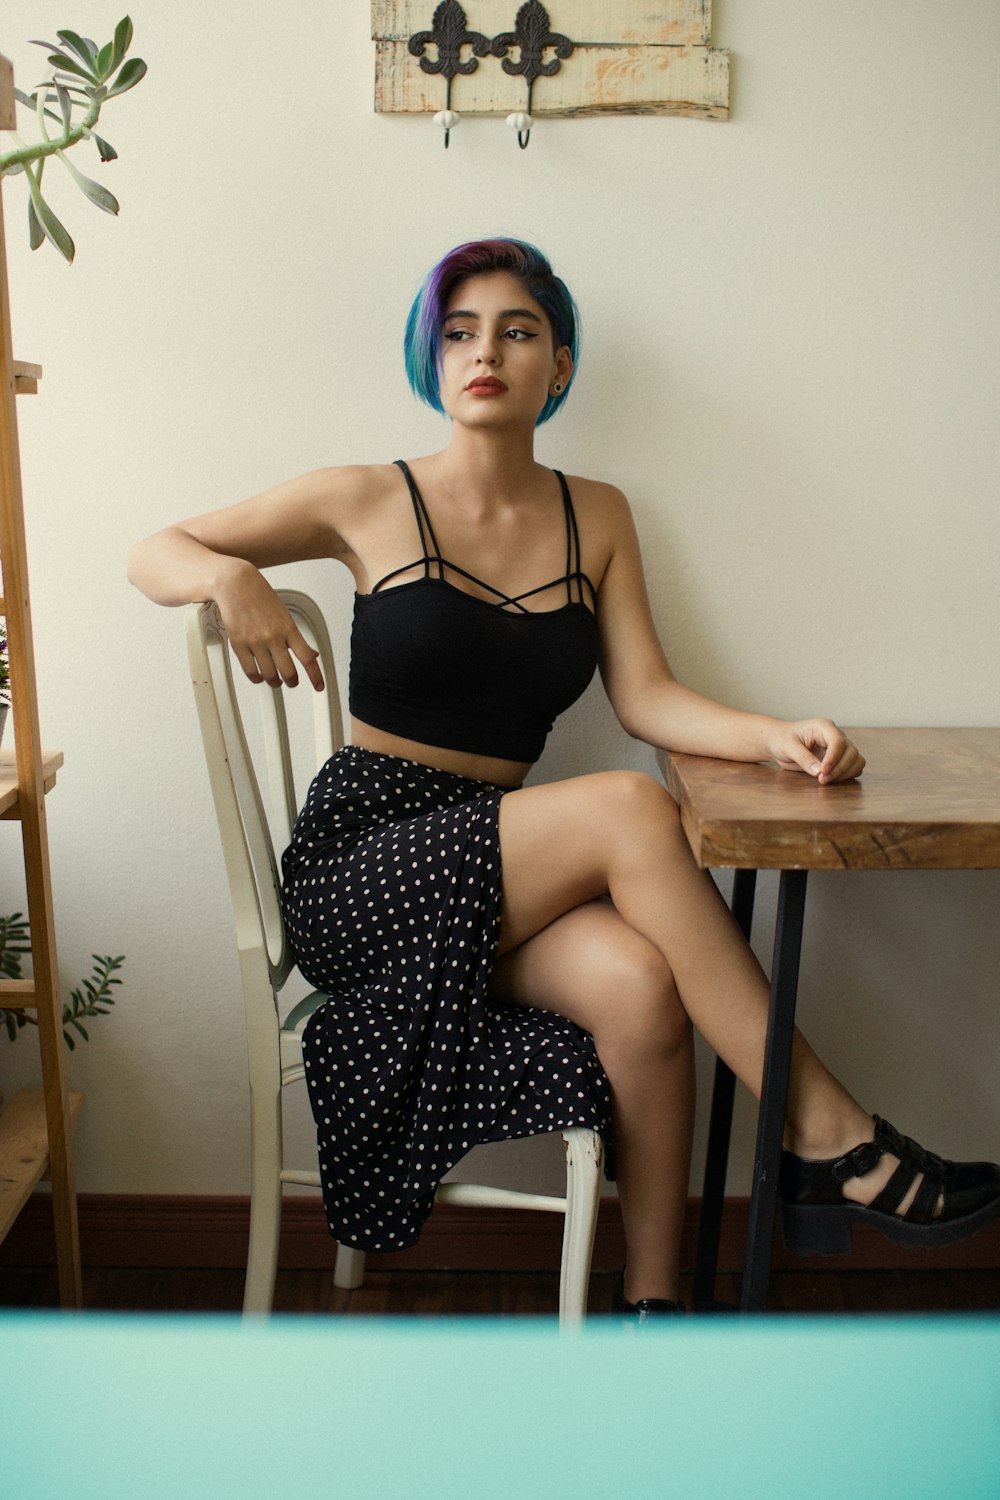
572, 541
432, 553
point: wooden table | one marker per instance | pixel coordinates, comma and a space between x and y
929, 800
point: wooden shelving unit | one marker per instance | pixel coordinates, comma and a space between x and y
36, 1130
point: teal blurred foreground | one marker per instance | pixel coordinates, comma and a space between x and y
211, 1408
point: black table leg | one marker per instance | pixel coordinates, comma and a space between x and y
719, 1130
774, 1094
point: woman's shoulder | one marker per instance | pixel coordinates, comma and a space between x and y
599, 505
604, 520
352, 484
343, 496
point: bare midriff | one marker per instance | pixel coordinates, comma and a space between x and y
509, 773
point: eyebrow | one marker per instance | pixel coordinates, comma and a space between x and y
508, 312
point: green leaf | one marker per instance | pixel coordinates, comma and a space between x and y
82, 46
66, 105
108, 152
36, 233
90, 189
104, 60
80, 1028
54, 230
70, 1044
130, 75
123, 40
66, 65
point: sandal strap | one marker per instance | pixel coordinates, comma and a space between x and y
914, 1161
887, 1141
921, 1210
895, 1190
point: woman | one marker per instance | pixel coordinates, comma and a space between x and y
464, 1008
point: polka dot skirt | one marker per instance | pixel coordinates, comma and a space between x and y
392, 898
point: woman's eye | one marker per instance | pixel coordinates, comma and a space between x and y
458, 335
518, 333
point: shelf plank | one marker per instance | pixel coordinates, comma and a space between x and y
26, 378
596, 80
24, 1150
17, 994
51, 761
8, 113
640, 23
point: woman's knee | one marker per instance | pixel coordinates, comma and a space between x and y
640, 819
634, 797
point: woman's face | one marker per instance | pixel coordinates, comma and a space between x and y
498, 360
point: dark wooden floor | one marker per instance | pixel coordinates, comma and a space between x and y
470, 1293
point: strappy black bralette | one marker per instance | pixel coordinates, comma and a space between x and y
434, 663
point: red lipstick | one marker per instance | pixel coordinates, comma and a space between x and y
486, 385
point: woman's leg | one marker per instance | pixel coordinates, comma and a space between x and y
591, 966
619, 833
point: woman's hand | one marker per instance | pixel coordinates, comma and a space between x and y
262, 633
817, 747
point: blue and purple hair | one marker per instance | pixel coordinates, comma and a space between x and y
422, 341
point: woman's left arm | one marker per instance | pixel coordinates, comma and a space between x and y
653, 706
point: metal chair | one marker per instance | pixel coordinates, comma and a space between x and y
249, 837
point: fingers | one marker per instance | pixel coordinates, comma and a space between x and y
271, 661
849, 765
841, 760
821, 750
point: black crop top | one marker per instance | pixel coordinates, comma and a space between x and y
432, 663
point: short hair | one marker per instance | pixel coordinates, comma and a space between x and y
422, 341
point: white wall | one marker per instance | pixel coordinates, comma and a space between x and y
790, 363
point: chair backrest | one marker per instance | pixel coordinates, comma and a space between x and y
248, 834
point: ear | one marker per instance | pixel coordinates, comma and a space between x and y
564, 365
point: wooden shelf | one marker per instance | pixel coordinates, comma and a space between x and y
24, 1150
37, 1131
26, 378
9, 793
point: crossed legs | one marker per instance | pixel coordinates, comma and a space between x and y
607, 920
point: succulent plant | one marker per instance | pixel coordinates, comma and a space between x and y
83, 80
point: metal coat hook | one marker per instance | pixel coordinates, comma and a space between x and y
531, 35
450, 33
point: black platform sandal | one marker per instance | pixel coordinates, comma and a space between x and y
817, 1219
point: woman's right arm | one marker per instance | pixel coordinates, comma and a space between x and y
219, 556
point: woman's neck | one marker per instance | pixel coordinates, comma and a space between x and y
486, 464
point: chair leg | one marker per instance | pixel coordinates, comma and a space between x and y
584, 1160
349, 1270
265, 1201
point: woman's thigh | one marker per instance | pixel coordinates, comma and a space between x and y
559, 841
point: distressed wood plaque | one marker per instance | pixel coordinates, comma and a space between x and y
629, 57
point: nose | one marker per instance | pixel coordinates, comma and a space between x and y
488, 352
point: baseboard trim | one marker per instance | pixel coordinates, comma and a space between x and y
177, 1231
